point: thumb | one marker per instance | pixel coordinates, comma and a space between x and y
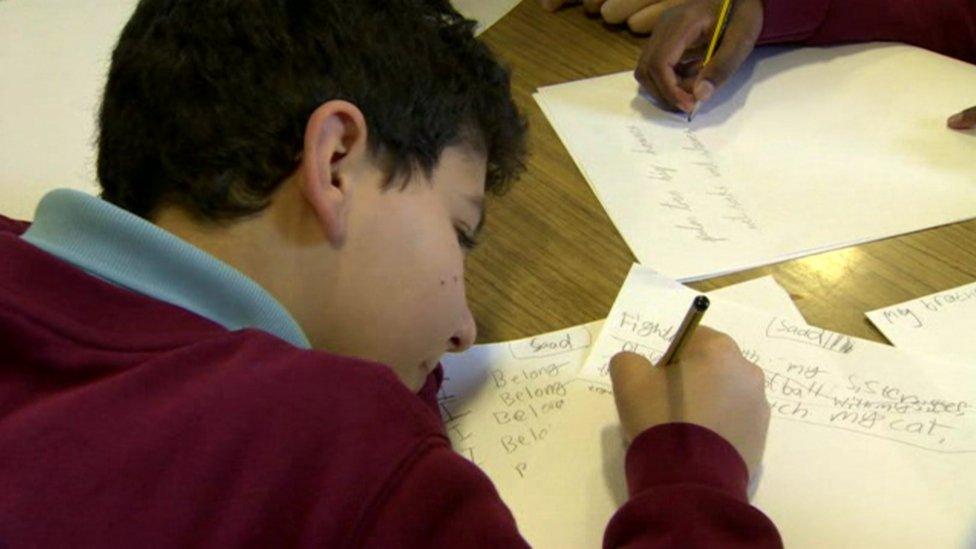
736, 45
634, 380
964, 120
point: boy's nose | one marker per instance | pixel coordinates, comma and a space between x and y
465, 334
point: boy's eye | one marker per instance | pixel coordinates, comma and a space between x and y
466, 241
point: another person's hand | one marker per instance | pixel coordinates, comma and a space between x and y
641, 16
712, 385
965, 120
670, 65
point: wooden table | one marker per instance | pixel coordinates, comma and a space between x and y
551, 258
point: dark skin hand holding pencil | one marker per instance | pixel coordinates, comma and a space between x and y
671, 66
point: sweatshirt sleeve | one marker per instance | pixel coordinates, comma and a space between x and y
944, 26
13, 226
687, 488
686, 483
442, 500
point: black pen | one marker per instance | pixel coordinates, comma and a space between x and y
698, 307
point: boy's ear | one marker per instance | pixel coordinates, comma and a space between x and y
335, 141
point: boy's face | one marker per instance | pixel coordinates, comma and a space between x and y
396, 292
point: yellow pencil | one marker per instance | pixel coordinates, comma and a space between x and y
723, 17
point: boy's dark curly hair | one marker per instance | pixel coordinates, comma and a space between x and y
207, 100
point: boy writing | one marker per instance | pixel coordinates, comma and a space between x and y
238, 343
944, 26
682, 28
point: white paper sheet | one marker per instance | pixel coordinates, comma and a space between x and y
941, 325
803, 150
500, 401
764, 294
54, 58
485, 12
868, 446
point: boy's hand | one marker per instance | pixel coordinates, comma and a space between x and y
965, 120
641, 16
670, 65
712, 385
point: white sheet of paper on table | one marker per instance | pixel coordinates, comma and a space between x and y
940, 325
54, 60
764, 294
485, 12
499, 401
838, 473
803, 150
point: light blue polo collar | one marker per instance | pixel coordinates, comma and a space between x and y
124, 249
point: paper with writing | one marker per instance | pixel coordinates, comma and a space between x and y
798, 153
941, 324
868, 446
499, 401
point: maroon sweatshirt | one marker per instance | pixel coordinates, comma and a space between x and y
126, 421
945, 26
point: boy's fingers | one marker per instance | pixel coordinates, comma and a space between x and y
625, 367
632, 376
644, 21
593, 6
617, 11
664, 51
964, 120
651, 87
634, 379
736, 45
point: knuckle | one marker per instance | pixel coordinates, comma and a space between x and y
657, 62
721, 344
718, 74
724, 340
640, 75
758, 377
